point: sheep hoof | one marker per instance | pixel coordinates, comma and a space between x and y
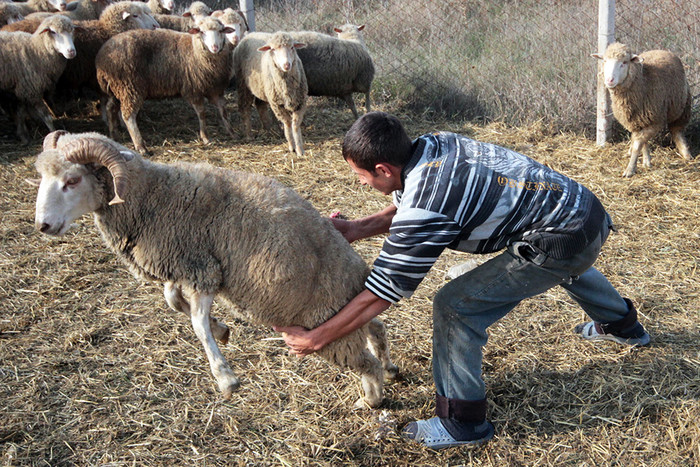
628, 173
391, 373
364, 404
227, 391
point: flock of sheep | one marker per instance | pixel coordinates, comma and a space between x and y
244, 238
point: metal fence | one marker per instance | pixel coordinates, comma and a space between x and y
512, 60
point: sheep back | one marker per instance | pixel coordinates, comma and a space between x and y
334, 67
141, 64
31, 65
655, 92
253, 241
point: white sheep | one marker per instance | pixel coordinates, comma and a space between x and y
337, 66
268, 71
9, 13
648, 92
32, 6
31, 65
234, 19
242, 237
139, 65
189, 19
161, 7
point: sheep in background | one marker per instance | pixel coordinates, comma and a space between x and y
189, 19
337, 66
161, 7
648, 92
268, 71
139, 65
32, 6
234, 19
9, 13
84, 10
245, 238
31, 64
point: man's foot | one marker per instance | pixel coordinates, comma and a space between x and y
433, 434
593, 331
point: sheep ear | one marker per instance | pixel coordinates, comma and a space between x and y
33, 181
187, 14
337, 30
598, 56
299, 45
360, 28
637, 59
264, 48
125, 15
72, 6
194, 31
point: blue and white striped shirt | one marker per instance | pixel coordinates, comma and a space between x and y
477, 197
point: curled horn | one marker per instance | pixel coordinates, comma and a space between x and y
91, 150
51, 140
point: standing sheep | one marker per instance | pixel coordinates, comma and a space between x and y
31, 64
242, 237
139, 65
337, 66
9, 13
235, 20
268, 71
648, 92
189, 19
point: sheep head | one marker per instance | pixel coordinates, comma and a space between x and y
212, 33
60, 28
618, 60
66, 189
282, 49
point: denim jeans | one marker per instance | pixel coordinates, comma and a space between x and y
466, 306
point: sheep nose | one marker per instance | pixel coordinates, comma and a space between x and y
43, 227
287, 66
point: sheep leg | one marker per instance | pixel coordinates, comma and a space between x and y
351, 103
133, 128
21, 124
379, 346
43, 111
220, 104
297, 118
639, 140
286, 119
263, 109
646, 155
680, 142
352, 352
368, 105
225, 378
245, 101
198, 104
177, 301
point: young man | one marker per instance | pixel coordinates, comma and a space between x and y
453, 192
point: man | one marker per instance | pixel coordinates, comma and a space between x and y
453, 192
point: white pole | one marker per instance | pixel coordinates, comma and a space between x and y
248, 10
606, 36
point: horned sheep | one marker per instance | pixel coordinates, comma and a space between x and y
648, 92
337, 66
31, 65
139, 65
244, 238
268, 71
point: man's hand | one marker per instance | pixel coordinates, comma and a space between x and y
298, 339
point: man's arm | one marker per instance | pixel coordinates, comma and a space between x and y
369, 226
358, 312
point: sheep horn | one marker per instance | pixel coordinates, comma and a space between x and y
51, 140
90, 150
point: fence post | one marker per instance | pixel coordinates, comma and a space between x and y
248, 10
606, 35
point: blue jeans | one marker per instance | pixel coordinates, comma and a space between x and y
467, 305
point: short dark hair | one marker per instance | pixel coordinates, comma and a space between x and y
374, 138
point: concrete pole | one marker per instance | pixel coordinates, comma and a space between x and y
246, 6
606, 36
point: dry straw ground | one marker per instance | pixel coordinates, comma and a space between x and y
95, 370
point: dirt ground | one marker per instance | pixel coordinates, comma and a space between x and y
96, 370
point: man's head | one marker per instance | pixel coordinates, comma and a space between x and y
375, 138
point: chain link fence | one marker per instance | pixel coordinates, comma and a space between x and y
513, 60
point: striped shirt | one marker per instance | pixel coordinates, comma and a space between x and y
479, 198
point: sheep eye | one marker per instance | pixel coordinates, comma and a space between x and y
71, 182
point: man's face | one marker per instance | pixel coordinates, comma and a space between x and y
385, 178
